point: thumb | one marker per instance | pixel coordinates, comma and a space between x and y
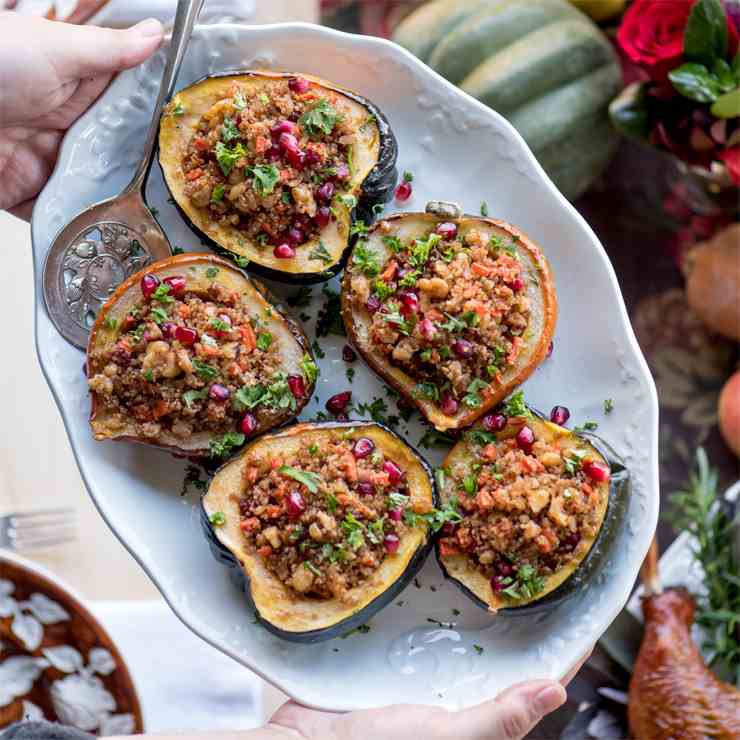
81, 51
512, 714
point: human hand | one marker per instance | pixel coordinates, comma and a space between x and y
510, 716
50, 74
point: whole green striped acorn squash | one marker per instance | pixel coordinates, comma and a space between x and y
542, 64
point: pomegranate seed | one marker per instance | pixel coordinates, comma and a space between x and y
296, 159
403, 191
295, 236
338, 403
149, 283
342, 172
517, 285
525, 439
295, 505
427, 328
559, 415
322, 217
391, 543
449, 405
168, 330
272, 153
312, 157
284, 252
570, 542
185, 336
301, 221
496, 584
284, 127
325, 192
177, 284
298, 85
362, 448
504, 569
494, 422
366, 488
372, 304
297, 386
394, 472
288, 143
248, 423
396, 514
219, 392
550, 348
446, 230
449, 529
348, 354
596, 471
410, 301
462, 348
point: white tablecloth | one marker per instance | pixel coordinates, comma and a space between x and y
183, 683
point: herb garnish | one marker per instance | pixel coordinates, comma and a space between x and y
525, 585
516, 406
310, 370
366, 259
217, 194
329, 319
204, 370
320, 252
265, 176
227, 157
189, 397
320, 119
230, 130
223, 446
312, 481
301, 298
218, 518
472, 397
608, 405
162, 294
588, 426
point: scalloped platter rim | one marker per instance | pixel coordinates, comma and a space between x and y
418, 649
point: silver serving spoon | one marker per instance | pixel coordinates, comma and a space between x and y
111, 240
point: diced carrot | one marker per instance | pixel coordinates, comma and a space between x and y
250, 525
251, 473
446, 548
194, 174
184, 310
249, 341
265, 551
344, 499
160, 408
479, 269
390, 271
201, 143
272, 511
350, 467
262, 144
490, 451
208, 351
434, 315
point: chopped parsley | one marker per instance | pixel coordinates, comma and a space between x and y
264, 340
478, 649
470, 485
301, 298
393, 243
222, 447
249, 396
433, 438
472, 397
383, 290
453, 324
407, 176
348, 200
516, 406
350, 373
359, 227
329, 319
265, 177
162, 294
608, 406
422, 248
227, 157
204, 370
192, 478
211, 272
239, 101
366, 259
331, 502
402, 324
308, 565
484, 209
149, 376
179, 109
526, 585
312, 481
219, 324
229, 131
320, 119
218, 518
189, 397
588, 426
436, 518
480, 437
409, 279
320, 252
426, 390
217, 194
310, 370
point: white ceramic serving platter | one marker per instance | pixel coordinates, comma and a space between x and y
457, 150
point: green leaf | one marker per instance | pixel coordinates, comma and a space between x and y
239, 101
724, 74
217, 194
383, 290
211, 272
265, 176
222, 447
366, 259
310, 370
426, 390
312, 481
219, 324
480, 437
422, 248
471, 398
247, 397
320, 252
159, 315
264, 340
705, 37
162, 294
727, 105
320, 119
629, 112
516, 406
218, 518
204, 370
189, 397
110, 323
227, 157
230, 131
393, 243
347, 200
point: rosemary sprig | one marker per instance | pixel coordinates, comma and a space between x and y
703, 512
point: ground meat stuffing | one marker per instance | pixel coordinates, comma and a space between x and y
271, 160
450, 310
324, 523
187, 362
526, 506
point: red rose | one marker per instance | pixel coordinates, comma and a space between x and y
731, 158
651, 34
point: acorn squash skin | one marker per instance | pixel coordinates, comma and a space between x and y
239, 570
620, 488
178, 264
515, 375
376, 189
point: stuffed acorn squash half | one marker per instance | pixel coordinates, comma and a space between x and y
541, 508
325, 523
453, 311
274, 168
191, 355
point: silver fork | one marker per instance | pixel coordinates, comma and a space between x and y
33, 529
